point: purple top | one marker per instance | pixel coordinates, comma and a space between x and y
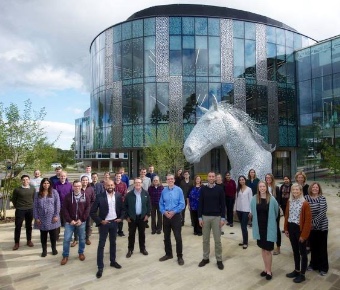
45, 209
155, 194
63, 190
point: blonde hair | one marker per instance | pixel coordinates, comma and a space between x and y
291, 197
273, 184
310, 188
258, 195
301, 173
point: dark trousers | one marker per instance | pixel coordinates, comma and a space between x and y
229, 203
20, 216
53, 238
104, 230
183, 212
243, 218
156, 225
299, 249
278, 239
120, 227
197, 227
174, 224
133, 225
318, 250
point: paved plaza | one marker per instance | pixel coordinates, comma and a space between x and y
25, 269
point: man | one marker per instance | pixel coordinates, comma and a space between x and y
55, 178
88, 190
35, 182
64, 188
107, 177
185, 185
171, 205
146, 181
97, 186
87, 173
122, 189
211, 214
230, 194
76, 211
107, 212
125, 177
137, 211
151, 172
22, 200
155, 191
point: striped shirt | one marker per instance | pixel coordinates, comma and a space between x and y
318, 207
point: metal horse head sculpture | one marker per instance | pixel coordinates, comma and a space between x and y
225, 125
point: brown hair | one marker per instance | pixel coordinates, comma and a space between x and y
258, 195
273, 184
311, 185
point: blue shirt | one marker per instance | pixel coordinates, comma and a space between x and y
138, 203
172, 199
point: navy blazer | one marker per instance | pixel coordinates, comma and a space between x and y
101, 203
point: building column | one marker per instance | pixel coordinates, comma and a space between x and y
110, 165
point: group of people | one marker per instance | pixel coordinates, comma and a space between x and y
55, 202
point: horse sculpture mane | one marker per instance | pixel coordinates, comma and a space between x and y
243, 117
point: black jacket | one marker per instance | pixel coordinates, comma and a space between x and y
102, 204
130, 204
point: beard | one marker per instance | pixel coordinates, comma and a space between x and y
110, 190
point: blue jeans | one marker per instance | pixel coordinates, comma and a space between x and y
243, 218
69, 229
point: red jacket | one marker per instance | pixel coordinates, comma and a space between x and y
73, 210
230, 188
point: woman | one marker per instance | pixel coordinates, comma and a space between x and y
264, 210
155, 191
301, 178
193, 198
242, 207
46, 214
285, 192
252, 181
219, 180
179, 177
275, 191
230, 194
298, 220
319, 232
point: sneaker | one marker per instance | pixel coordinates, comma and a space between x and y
220, 265
299, 278
323, 273
293, 274
203, 263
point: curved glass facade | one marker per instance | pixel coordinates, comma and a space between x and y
149, 73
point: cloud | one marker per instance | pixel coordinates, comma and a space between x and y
75, 111
60, 133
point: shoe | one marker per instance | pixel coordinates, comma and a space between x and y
245, 247
299, 278
88, 242
293, 274
269, 276
276, 252
147, 225
203, 262
263, 274
222, 233
74, 243
220, 265
16, 246
231, 225
64, 261
228, 224
283, 232
121, 234
310, 268
159, 232
144, 252
129, 254
323, 273
81, 257
99, 273
199, 234
30, 244
54, 252
180, 261
195, 234
164, 258
115, 265
240, 244
44, 254
153, 232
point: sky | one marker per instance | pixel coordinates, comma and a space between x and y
44, 47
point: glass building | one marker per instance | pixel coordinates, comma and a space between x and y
149, 72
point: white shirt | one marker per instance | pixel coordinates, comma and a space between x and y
35, 182
111, 200
88, 175
243, 199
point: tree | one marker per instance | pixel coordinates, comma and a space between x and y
332, 157
23, 143
164, 152
65, 157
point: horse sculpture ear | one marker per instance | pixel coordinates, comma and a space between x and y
204, 110
215, 103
